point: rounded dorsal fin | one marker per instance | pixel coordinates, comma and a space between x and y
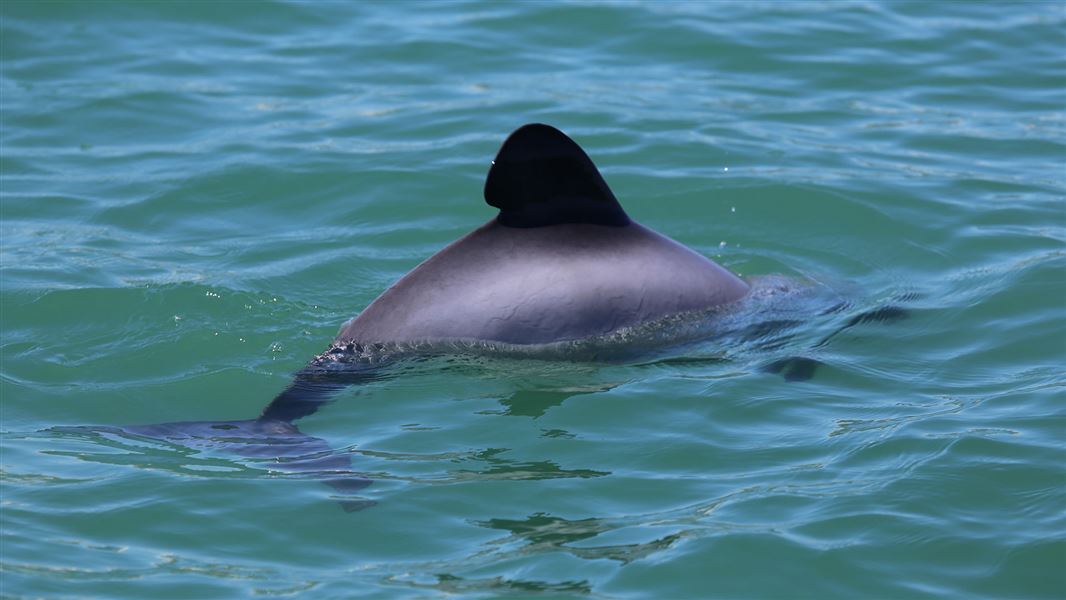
542, 177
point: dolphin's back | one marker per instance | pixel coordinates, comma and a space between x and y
544, 284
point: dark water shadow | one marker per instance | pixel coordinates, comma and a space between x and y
535, 403
516, 470
497, 586
542, 532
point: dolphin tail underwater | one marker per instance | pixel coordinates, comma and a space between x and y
561, 272
313, 387
273, 440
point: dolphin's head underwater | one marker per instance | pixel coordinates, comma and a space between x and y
561, 262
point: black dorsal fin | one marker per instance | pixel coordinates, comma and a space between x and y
541, 177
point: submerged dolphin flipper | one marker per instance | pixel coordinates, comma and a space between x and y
271, 446
272, 442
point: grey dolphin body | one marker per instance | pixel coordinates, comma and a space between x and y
542, 285
561, 261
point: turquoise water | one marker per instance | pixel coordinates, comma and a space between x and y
196, 196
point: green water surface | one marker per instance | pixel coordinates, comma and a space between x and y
196, 196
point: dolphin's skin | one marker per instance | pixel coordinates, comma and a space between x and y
545, 284
561, 261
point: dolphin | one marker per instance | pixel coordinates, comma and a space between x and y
560, 265
561, 262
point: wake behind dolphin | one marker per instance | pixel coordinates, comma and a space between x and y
560, 272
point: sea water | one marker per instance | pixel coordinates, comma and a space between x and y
195, 197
